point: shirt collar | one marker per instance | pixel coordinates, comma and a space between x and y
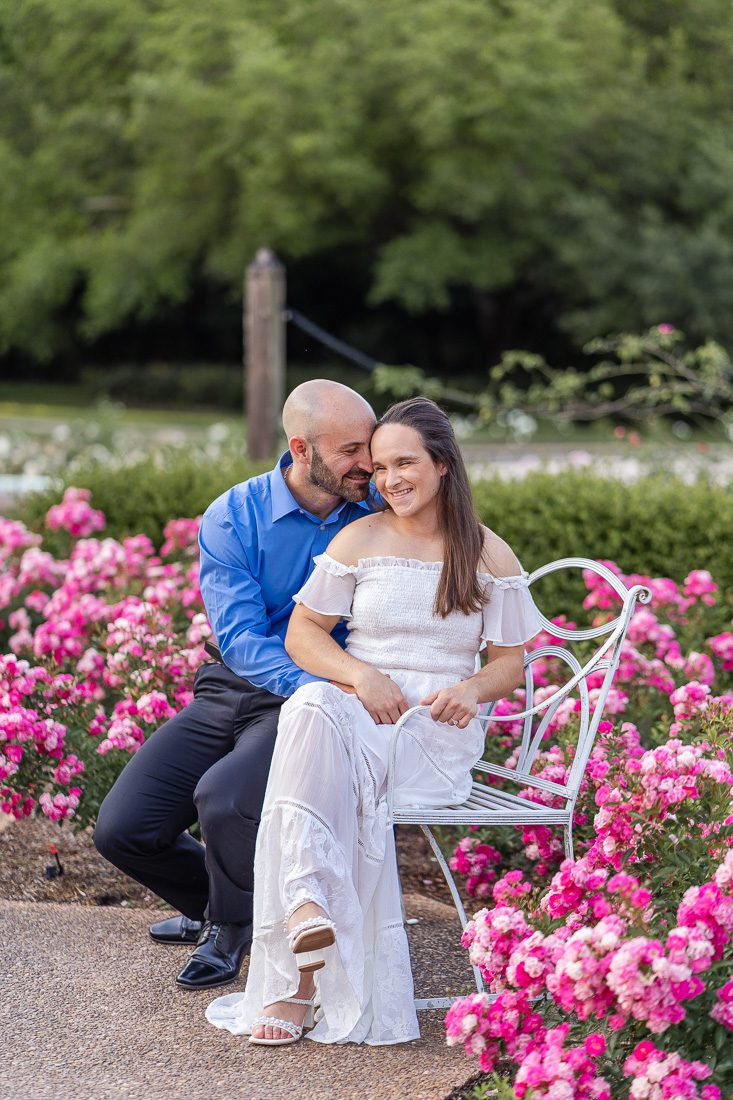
283, 501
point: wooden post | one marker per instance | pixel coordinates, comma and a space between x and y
264, 352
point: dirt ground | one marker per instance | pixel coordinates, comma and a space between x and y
27, 868
126, 1030
90, 1010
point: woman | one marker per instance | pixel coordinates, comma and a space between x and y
421, 584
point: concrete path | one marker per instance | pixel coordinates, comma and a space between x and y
89, 1010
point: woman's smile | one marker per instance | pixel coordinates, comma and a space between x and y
404, 473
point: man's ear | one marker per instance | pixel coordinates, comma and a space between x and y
299, 449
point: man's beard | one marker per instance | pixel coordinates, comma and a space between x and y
323, 477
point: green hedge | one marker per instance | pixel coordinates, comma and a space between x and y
143, 496
658, 525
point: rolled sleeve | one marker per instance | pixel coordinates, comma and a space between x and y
237, 613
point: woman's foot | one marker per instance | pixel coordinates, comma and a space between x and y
307, 911
310, 931
286, 1010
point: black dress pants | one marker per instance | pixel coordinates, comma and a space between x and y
209, 762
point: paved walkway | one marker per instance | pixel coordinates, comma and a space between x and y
89, 1010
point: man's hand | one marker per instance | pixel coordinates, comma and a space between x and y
456, 705
380, 695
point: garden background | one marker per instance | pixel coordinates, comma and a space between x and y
524, 210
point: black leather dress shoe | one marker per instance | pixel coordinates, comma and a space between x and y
176, 930
218, 957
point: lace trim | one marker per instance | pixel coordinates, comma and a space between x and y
316, 817
306, 810
293, 908
335, 568
367, 854
307, 704
518, 581
367, 764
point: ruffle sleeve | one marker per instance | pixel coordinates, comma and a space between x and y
330, 588
510, 615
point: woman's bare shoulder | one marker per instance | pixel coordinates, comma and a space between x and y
497, 556
357, 539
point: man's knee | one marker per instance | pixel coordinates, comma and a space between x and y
117, 834
221, 796
108, 833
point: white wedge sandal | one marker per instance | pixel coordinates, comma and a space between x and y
308, 940
295, 1030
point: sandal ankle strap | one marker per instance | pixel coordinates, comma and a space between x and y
305, 925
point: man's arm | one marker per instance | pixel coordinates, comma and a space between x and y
309, 641
236, 609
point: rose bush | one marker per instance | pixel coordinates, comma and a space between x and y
612, 971
102, 645
615, 968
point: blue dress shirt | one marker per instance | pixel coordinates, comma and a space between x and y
257, 549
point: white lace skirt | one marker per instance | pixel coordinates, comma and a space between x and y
324, 837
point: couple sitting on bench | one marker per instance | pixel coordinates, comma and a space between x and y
336, 608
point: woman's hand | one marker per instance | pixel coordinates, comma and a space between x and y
380, 695
456, 705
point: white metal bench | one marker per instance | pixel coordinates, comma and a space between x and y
491, 805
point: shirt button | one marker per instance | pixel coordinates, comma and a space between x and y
300, 511
323, 526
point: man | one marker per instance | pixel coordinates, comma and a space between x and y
210, 762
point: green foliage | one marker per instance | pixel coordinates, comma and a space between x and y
494, 148
484, 1086
168, 384
141, 498
494, 1088
100, 771
658, 526
644, 375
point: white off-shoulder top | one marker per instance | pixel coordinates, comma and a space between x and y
388, 605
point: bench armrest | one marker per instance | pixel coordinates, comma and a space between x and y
392, 757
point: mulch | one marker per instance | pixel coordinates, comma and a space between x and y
27, 868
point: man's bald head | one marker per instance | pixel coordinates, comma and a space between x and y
319, 406
329, 428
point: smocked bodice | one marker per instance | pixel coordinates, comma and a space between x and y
388, 604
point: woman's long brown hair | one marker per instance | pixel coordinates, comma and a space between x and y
459, 588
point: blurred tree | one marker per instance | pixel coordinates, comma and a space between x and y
632, 376
575, 155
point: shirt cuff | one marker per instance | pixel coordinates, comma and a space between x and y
306, 678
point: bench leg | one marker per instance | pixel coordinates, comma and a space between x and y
446, 1002
568, 835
